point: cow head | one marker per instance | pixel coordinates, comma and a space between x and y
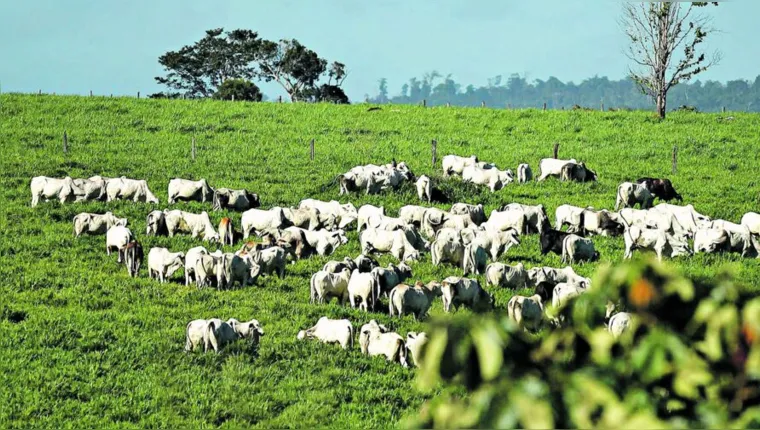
679, 245
249, 330
365, 263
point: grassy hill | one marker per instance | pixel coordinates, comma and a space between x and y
85, 345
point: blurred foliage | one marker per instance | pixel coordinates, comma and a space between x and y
238, 89
691, 358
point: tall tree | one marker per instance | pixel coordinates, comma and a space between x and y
658, 31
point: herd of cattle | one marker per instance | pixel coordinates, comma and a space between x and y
462, 236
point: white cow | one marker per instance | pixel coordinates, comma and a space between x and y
198, 225
463, 291
495, 179
424, 188
325, 242
118, 237
553, 276
552, 167
333, 266
564, 292
496, 243
192, 257
364, 214
310, 218
330, 331
454, 164
129, 189
258, 220
500, 274
576, 248
233, 268
630, 194
657, 240
416, 300
364, 286
96, 223
345, 213
412, 214
239, 200
569, 215
504, 220
475, 212
92, 188
603, 223
751, 220
206, 268
527, 312
717, 239
215, 333
52, 188
535, 218
395, 242
415, 344
687, 217
156, 223
270, 260
524, 174
187, 190
375, 339
452, 251
619, 323
162, 263
326, 285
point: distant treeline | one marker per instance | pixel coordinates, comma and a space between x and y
516, 91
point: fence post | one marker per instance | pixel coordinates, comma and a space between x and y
724, 109
448, 104
675, 159
90, 93
279, 99
602, 105
193, 148
424, 103
138, 94
483, 103
556, 150
434, 149
544, 105
311, 145
40, 92
233, 97
65, 143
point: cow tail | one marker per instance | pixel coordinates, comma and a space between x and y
401, 348
188, 344
564, 250
376, 288
391, 295
220, 269
312, 289
208, 334
351, 335
468, 260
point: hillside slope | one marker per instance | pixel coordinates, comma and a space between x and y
85, 345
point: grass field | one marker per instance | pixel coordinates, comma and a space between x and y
84, 345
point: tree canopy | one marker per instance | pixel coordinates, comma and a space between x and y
200, 69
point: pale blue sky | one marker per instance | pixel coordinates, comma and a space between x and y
73, 46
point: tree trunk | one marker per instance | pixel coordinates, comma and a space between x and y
661, 104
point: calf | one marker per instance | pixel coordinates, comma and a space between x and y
468, 292
499, 274
416, 300
325, 285
660, 188
118, 237
196, 224
375, 339
133, 257
552, 167
577, 172
215, 333
330, 331
162, 263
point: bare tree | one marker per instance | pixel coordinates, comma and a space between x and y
665, 37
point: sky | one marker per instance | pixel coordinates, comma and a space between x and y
110, 47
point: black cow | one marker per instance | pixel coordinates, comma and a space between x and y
551, 240
660, 188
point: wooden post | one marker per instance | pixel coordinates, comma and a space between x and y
448, 104
40, 92
424, 103
65, 143
675, 159
311, 144
602, 105
556, 150
483, 103
724, 109
279, 99
138, 94
233, 97
193, 148
544, 105
111, 95
434, 149
90, 93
